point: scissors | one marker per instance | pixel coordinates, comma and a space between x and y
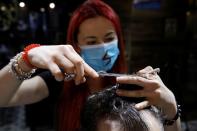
70, 76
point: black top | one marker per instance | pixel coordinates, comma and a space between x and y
42, 114
53, 85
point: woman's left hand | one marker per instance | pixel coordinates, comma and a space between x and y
154, 90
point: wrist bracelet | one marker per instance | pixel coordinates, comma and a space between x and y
16, 70
171, 122
25, 53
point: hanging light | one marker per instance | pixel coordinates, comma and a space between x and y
42, 9
52, 5
22, 4
3, 8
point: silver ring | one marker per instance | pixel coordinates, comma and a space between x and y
68, 77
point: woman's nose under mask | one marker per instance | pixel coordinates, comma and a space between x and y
101, 56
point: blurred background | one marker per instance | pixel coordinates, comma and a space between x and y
160, 33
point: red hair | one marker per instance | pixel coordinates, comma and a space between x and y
73, 98
94, 8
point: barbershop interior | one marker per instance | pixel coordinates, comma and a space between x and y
157, 33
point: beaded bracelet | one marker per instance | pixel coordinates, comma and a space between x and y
17, 71
171, 122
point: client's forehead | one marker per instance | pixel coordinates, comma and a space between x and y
153, 123
109, 125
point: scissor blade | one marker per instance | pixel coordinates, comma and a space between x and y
105, 74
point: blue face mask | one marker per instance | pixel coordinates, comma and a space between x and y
102, 56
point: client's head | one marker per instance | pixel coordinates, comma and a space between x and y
105, 111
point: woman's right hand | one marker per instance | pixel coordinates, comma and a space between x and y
61, 56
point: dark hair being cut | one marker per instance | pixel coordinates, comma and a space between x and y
106, 105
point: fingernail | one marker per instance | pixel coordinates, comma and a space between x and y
77, 83
118, 92
84, 80
96, 75
137, 107
58, 78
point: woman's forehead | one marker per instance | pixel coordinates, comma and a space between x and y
96, 26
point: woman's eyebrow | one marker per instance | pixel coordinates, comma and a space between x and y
89, 37
109, 33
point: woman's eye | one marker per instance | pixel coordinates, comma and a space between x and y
91, 43
109, 39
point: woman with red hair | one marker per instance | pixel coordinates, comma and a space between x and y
95, 44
